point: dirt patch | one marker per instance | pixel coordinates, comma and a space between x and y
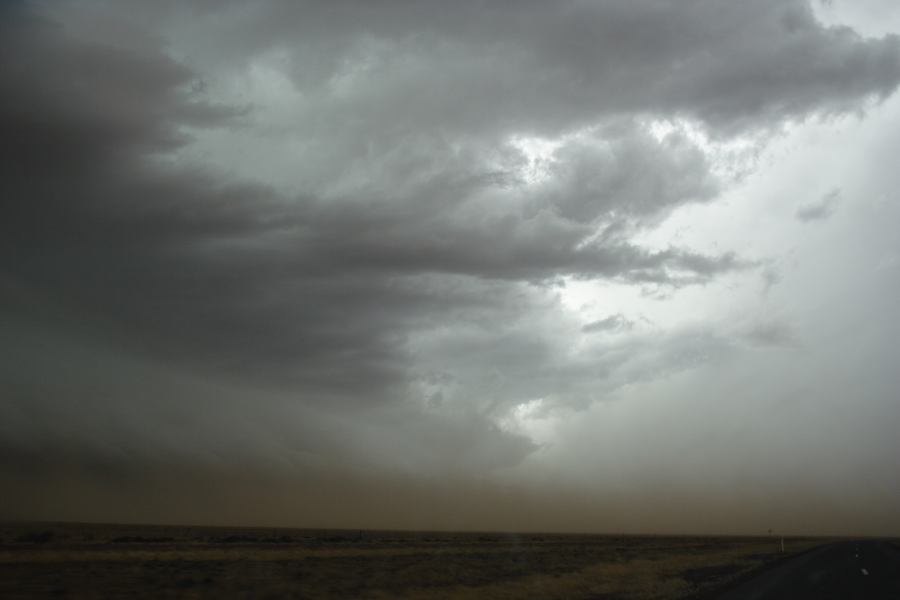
705, 575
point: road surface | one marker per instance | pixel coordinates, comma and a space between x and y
861, 570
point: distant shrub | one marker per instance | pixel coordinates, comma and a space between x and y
137, 539
249, 539
35, 538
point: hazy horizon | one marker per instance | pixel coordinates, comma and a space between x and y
623, 266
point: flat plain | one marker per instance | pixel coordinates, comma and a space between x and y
40, 560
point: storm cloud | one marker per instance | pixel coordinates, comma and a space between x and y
364, 244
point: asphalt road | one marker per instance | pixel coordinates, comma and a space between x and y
845, 570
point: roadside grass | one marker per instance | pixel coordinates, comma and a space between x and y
674, 576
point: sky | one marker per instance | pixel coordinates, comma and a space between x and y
623, 266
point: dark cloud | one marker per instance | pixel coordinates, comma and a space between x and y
537, 67
232, 275
364, 275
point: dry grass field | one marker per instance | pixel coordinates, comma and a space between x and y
108, 561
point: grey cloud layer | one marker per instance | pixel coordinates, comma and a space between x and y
407, 271
239, 276
533, 66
